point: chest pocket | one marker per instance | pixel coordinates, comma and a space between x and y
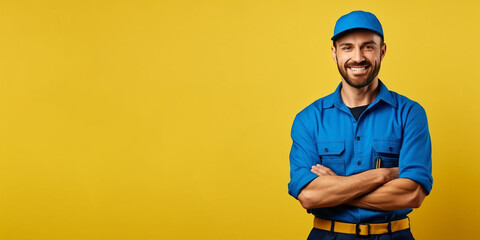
330, 154
386, 153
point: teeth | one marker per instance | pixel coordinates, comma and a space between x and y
358, 69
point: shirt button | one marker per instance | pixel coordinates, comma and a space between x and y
326, 149
390, 149
358, 138
359, 163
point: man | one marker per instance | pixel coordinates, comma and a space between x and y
361, 156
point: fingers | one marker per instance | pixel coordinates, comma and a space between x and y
329, 171
322, 170
319, 171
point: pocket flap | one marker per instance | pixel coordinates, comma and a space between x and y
387, 146
330, 148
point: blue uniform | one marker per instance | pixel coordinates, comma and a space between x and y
393, 129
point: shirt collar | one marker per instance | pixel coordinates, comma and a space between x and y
335, 98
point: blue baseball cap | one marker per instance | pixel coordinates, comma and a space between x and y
357, 20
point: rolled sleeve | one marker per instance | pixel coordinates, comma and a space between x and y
303, 156
415, 161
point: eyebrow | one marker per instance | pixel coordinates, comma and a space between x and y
341, 44
369, 42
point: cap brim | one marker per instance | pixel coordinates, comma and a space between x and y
355, 28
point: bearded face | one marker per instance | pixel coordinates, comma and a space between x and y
358, 55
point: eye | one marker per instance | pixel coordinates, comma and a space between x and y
346, 48
368, 47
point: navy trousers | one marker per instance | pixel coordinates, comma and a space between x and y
319, 234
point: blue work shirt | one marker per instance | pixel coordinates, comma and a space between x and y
393, 128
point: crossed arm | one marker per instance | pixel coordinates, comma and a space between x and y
378, 189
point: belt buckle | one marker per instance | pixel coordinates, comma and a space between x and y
362, 232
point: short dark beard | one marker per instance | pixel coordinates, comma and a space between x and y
376, 70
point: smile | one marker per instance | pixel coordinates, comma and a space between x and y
358, 68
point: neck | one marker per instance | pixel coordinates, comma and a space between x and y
355, 97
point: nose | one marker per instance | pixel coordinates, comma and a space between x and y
358, 55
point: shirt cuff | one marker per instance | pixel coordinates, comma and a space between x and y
421, 179
295, 187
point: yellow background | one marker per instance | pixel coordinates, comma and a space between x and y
171, 119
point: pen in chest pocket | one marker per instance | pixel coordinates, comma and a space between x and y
378, 162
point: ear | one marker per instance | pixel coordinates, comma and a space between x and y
334, 54
383, 50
